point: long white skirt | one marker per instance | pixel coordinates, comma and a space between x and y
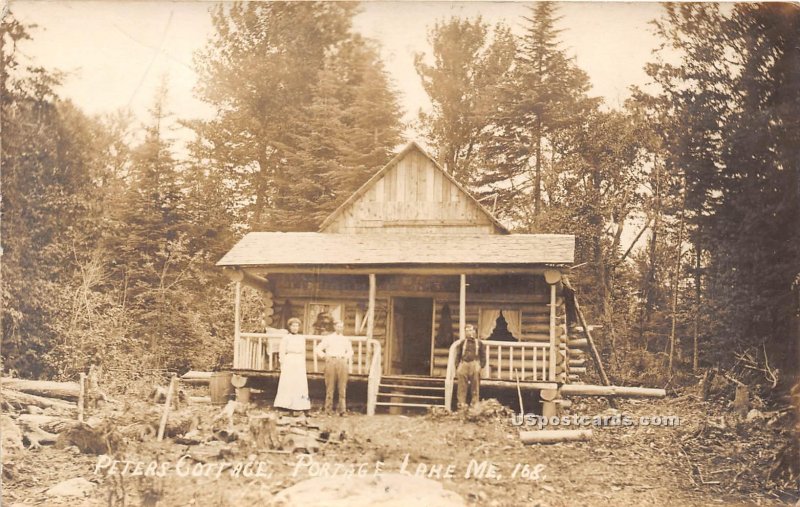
293, 384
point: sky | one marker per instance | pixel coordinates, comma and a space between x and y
115, 54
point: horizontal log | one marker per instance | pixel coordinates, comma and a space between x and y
595, 390
62, 390
578, 369
577, 362
554, 436
582, 342
196, 377
21, 398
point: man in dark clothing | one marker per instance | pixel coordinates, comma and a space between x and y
470, 360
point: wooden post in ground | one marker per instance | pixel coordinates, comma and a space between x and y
593, 350
165, 415
81, 396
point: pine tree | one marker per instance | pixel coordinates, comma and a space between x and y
462, 82
284, 78
545, 100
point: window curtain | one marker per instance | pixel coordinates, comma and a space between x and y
514, 320
489, 318
488, 322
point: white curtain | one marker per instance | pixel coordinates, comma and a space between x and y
488, 322
514, 320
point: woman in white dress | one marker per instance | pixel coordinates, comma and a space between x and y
293, 383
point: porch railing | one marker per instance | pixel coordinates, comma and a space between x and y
504, 361
256, 351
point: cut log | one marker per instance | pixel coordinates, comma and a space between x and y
20, 398
196, 377
595, 390
578, 343
68, 391
554, 436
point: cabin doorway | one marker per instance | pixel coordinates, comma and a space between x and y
412, 321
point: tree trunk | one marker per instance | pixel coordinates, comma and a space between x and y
676, 281
649, 279
697, 301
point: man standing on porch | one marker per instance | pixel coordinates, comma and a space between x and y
337, 351
470, 358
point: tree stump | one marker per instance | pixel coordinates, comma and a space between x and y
264, 431
741, 401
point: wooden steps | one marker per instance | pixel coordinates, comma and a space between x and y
412, 392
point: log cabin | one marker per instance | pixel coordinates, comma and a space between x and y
405, 263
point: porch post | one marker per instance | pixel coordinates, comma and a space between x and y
462, 309
371, 307
237, 296
553, 343
375, 370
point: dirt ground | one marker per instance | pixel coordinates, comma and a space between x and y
708, 459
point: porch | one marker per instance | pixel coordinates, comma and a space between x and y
509, 365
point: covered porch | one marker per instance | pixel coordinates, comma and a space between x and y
405, 320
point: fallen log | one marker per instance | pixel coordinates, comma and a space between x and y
68, 391
196, 377
554, 436
621, 391
20, 398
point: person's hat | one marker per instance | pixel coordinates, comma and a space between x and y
293, 320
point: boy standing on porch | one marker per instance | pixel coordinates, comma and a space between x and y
337, 351
470, 360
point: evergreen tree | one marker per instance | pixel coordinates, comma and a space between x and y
545, 100
462, 82
268, 70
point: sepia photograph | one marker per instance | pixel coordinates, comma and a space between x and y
393, 253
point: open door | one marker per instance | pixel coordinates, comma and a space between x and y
412, 319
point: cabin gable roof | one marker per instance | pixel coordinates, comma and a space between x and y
314, 249
412, 193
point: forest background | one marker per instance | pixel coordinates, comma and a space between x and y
110, 233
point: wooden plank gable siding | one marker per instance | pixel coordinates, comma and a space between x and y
413, 196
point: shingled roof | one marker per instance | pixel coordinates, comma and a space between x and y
296, 249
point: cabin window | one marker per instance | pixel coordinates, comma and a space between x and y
500, 324
319, 312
